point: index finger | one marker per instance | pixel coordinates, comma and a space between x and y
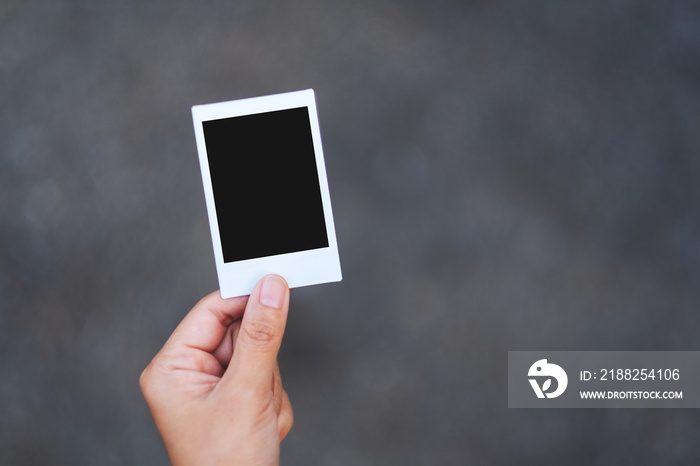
204, 326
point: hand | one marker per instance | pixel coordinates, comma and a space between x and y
214, 390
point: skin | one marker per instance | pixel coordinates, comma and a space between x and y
214, 390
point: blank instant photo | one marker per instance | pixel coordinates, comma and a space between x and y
266, 191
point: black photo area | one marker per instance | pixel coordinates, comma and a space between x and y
265, 182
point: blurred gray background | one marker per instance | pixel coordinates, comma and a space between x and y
504, 176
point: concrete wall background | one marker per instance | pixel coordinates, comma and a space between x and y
504, 175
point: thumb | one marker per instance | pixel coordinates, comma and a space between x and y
255, 354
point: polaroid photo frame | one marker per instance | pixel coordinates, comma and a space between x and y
266, 191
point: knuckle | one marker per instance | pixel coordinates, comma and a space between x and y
145, 380
285, 425
261, 331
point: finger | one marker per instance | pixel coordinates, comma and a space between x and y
205, 325
255, 356
200, 332
285, 418
223, 352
